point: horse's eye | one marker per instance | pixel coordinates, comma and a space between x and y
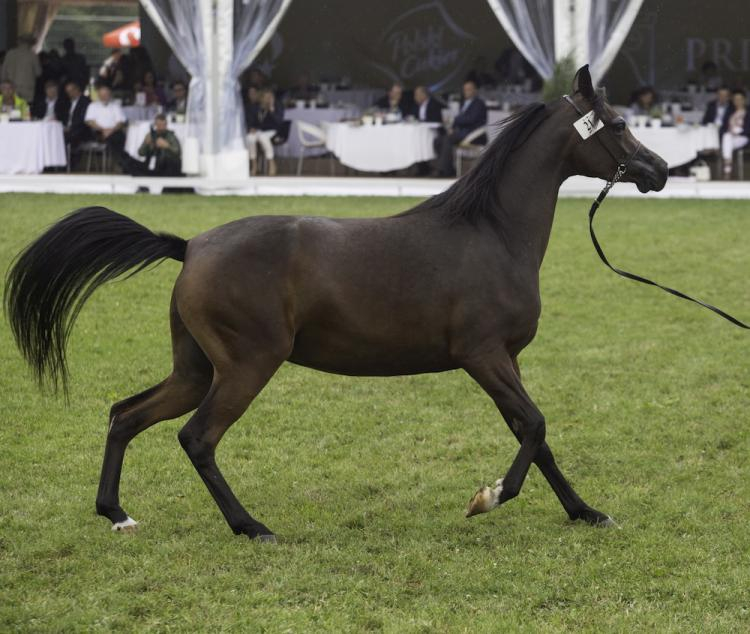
618, 126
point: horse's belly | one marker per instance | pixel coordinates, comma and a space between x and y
363, 355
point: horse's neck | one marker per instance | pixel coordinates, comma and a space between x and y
527, 191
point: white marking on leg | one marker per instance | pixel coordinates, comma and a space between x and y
128, 525
486, 499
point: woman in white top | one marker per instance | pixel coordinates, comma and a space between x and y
738, 131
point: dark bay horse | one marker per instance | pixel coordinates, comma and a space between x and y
452, 283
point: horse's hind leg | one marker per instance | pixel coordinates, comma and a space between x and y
178, 394
234, 387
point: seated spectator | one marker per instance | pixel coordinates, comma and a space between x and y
10, 101
22, 67
52, 107
253, 97
107, 120
473, 115
719, 110
154, 92
178, 103
394, 102
428, 109
645, 103
74, 64
263, 120
161, 151
74, 121
738, 131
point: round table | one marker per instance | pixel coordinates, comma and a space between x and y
32, 145
680, 144
381, 148
137, 131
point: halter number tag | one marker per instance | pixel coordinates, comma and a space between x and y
586, 126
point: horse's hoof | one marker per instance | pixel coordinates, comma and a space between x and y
598, 519
266, 539
127, 526
607, 522
485, 499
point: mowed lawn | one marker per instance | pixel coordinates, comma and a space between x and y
366, 480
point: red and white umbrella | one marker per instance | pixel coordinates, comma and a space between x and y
128, 35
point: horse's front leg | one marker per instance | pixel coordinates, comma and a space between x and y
497, 376
500, 378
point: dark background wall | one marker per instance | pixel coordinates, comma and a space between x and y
437, 42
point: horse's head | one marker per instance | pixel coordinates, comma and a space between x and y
603, 142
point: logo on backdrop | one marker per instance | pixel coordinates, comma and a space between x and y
424, 45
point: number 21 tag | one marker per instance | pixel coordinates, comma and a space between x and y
586, 126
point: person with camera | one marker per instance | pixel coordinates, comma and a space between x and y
161, 151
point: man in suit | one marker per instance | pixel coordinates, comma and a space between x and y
178, 104
74, 122
473, 115
394, 101
719, 110
51, 107
428, 109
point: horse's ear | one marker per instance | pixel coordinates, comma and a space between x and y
582, 82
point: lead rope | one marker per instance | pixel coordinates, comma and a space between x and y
621, 168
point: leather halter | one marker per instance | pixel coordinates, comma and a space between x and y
622, 163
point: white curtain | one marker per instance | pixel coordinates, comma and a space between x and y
530, 26
180, 23
591, 31
609, 24
255, 22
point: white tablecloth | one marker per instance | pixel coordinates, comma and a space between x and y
30, 146
137, 131
381, 148
678, 145
316, 116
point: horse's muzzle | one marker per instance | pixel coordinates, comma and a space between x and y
648, 171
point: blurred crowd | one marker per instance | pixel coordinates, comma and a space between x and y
89, 102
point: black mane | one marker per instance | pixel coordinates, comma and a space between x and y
473, 196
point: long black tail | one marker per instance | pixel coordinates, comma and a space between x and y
53, 277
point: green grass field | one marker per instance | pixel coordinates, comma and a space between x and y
366, 480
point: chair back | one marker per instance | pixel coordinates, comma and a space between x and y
475, 135
307, 130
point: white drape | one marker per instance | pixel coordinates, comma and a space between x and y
529, 24
609, 25
180, 23
545, 31
255, 22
